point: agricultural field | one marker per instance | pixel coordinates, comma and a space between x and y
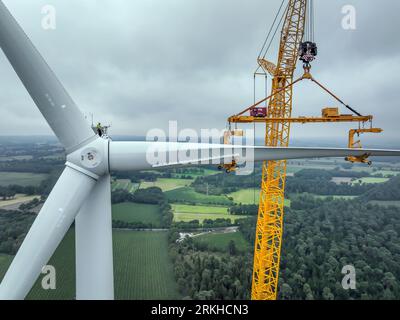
247, 196
15, 158
220, 241
63, 261
334, 197
21, 178
188, 213
124, 184
196, 173
368, 180
188, 195
200, 209
187, 217
142, 268
386, 173
5, 261
340, 180
137, 212
166, 184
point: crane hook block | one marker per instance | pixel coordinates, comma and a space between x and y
308, 51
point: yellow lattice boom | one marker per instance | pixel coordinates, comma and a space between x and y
271, 207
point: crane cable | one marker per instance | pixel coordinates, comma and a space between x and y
309, 33
265, 48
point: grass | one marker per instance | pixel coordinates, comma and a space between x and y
137, 212
386, 173
124, 184
188, 213
246, 196
166, 184
199, 209
5, 261
220, 241
21, 178
335, 197
195, 174
188, 195
369, 180
186, 217
142, 269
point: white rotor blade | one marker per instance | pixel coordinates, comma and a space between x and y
93, 242
276, 153
46, 233
125, 156
60, 111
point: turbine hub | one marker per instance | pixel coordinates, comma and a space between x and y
91, 159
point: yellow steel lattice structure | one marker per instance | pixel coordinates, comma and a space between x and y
270, 216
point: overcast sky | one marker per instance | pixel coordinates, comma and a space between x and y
139, 63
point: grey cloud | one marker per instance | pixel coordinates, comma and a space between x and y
141, 63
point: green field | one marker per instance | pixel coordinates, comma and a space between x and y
188, 213
187, 217
124, 184
199, 209
293, 169
195, 174
220, 241
386, 173
334, 197
246, 196
369, 180
188, 195
5, 261
137, 212
21, 178
166, 184
142, 268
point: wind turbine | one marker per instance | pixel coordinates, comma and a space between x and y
82, 193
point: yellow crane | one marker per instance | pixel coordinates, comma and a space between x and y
267, 251
277, 116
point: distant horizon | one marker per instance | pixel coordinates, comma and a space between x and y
295, 142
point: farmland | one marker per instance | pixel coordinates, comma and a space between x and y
369, 180
166, 184
249, 196
200, 209
142, 269
188, 195
21, 178
220, 241
124, 184
137, 212
188, 213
